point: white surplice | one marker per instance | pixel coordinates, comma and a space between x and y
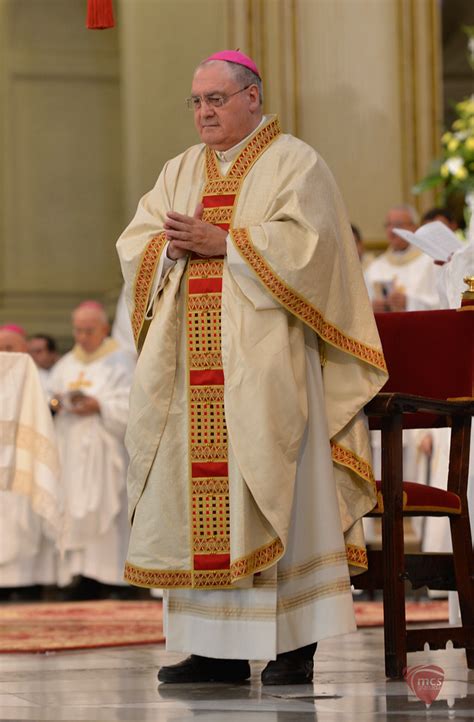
31, 500
94, 463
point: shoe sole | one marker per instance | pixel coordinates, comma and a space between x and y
167, 677
285, 681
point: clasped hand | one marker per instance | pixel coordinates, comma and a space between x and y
187, 234
85, 406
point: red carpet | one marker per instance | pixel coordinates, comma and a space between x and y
370, 614
62, 626
59, 626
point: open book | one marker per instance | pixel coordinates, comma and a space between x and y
435, 239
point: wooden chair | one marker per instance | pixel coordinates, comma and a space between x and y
430, 358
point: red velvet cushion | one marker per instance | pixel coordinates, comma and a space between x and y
428, 353
427, 499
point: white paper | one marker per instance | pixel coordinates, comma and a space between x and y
435, 239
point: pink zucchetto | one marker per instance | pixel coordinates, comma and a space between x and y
235, 56
14, 328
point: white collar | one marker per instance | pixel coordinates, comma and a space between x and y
229, 155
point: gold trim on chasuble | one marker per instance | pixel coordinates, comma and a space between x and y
209, 484
300, 307
345, 457
356, 556
143, 280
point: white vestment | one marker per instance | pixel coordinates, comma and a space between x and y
122, 328
450, 281
44, 376
411, 272
31, 501
94, 462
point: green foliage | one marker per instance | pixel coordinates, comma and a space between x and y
454, 171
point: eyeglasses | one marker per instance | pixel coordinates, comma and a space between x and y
214, 101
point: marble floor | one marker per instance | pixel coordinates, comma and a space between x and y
120, 684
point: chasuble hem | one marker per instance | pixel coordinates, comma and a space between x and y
257, 561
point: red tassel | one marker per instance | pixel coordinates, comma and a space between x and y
100, 14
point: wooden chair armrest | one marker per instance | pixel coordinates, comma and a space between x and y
386, 404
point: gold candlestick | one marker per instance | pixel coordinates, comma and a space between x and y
468, 295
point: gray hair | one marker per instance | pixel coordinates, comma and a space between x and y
412, 212
242, 75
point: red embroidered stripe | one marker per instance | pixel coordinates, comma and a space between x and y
212, 377
208, 469
207, 427
205, 285
211, 561
218, 201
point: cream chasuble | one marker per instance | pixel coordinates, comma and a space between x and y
31, 497
220, 425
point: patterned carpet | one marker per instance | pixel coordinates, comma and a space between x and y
62, 626
370, 614
59, 626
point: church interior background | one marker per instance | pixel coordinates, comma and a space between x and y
88, 118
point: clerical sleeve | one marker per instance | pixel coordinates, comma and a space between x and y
142, 246
114, 397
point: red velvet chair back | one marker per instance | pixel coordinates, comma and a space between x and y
428, 353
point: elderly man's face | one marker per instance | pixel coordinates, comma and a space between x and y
398, 218
89, 329
40, 353
11, 341
221, 128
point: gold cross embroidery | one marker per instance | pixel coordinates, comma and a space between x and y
81, 383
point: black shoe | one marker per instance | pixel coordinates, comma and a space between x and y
82, 589
205, 669
295, 667
31, 593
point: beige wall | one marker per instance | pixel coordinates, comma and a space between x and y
161, 42
88, 118
61, 163
368, 98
